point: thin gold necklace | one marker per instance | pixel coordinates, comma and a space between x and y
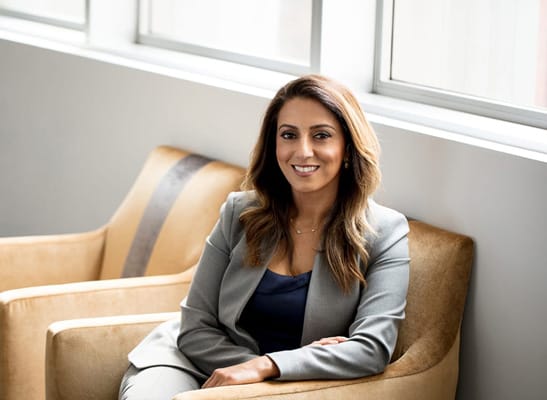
300, 231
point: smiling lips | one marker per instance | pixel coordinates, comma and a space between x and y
305, 169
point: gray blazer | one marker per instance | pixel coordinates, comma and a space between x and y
208, 335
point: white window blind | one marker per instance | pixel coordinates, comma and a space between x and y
483, 56
275, 34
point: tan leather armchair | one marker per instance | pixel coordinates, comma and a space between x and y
139, 262
87, 358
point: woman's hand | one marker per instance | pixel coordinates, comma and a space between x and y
329, 340
255, 370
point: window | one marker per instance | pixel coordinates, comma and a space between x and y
281, 35
63, 13
480, 56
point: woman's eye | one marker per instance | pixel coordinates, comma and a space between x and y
322, 135
288, 135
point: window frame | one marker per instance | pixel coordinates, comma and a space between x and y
383, 85
239, 58
59, 22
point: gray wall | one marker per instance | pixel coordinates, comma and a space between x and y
74, 133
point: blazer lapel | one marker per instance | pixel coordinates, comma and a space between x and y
329, 311
238, 285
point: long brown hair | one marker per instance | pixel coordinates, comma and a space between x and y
267, 223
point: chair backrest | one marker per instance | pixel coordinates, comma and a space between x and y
162, 224
440, 267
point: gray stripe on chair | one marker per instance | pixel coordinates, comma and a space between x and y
156, 212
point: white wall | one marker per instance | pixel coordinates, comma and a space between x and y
74, 133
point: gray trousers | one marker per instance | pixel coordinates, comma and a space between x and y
155, 383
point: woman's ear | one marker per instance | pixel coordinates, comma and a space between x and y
347, 156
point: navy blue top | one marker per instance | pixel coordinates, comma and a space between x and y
274, 315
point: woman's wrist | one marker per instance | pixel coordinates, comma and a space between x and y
267, 367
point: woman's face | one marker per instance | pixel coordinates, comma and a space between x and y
310, 147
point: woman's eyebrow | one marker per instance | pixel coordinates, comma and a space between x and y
287, 126
317, 126
322, 126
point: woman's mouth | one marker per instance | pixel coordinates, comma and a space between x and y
305, 169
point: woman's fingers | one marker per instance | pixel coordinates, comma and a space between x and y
255, 370
329, 340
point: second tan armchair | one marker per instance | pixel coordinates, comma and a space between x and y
87, 358
139, 262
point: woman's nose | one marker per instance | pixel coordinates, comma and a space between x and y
305, 148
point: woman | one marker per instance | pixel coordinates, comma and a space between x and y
304, 276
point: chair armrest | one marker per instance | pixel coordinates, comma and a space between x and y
397, 382
26, 313
102, 346
87, 358
50, 259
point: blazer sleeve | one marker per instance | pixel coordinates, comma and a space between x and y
202, 338
373, 333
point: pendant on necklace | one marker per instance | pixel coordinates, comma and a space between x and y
299, 232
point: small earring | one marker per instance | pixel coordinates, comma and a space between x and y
346, 163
